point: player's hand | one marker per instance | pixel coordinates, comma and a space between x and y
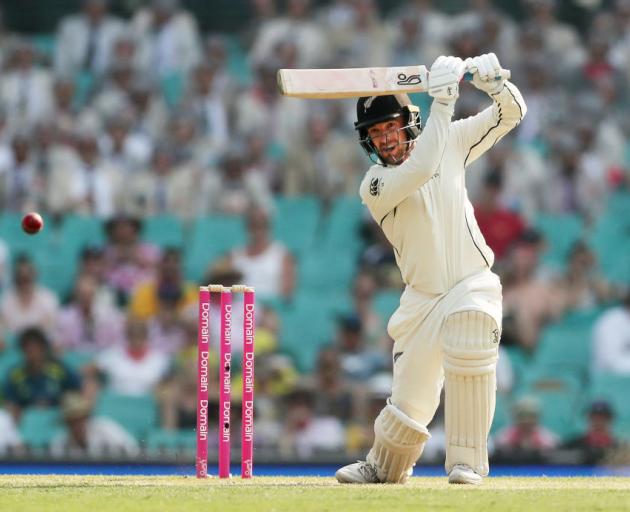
444, 77
485, 69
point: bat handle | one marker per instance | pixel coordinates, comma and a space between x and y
504, 75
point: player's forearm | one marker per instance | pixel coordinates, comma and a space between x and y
509, 106
429, 148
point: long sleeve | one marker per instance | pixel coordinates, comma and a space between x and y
383, 188
479, 133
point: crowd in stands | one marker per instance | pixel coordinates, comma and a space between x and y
119, 121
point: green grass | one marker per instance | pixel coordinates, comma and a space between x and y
262, 494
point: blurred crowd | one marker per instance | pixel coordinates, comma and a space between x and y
124, 119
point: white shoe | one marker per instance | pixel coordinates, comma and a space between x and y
360, 472
463, 474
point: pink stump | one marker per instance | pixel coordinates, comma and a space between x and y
247, 428
225, 384
203, 330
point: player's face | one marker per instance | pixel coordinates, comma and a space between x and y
390, 140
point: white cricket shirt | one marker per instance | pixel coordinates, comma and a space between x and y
422, 204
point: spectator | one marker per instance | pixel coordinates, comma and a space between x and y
265, 263
207, 102
374, 325
298, 25
335, 395
262, 102
40, 380
150, 108
360, 431
560, 40
10, 439
232, 190
91, 187
114, 93
365, 42
128, 260
525, 437
358, 363
85, 434
325, 164
379, 258
125, 150
168, 285
177, 394
22, 186
28, 304
611, 340
26, 90
92, 263
5, 266
170, 38
500, 227
267, 325
598, 440
165, 187
85, 324
414, 41
305, 433
529, 302
584, 287
85, 39
136, 368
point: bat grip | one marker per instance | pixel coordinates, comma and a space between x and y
504, 75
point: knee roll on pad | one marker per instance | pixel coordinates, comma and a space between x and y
471, 340
398, 443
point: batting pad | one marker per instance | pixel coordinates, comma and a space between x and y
398, 443
471, 343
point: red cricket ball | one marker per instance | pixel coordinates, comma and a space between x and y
32, 223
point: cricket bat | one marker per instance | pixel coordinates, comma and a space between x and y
355, 82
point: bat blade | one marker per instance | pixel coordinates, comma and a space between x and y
351, 82
355, 82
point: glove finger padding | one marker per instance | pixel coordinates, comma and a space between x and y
483, 67
446, 72
493, 61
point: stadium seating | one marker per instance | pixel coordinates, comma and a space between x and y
163, 230
559, 396
295, 223
560, 233
614, 389
159, 440
386, 302
566, 347
138, 414
502, 413
342, 226
39, 426
9, 358
77, 359
211, 237
305, 329
330, 272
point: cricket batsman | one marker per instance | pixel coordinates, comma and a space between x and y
447, 328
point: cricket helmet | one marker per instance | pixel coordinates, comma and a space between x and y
376, 109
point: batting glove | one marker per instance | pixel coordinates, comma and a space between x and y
487, 73
444, 77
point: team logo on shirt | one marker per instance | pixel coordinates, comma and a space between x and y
496, 335
375, 186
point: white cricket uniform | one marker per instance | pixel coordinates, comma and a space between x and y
423, 208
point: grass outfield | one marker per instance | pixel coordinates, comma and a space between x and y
64, 493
